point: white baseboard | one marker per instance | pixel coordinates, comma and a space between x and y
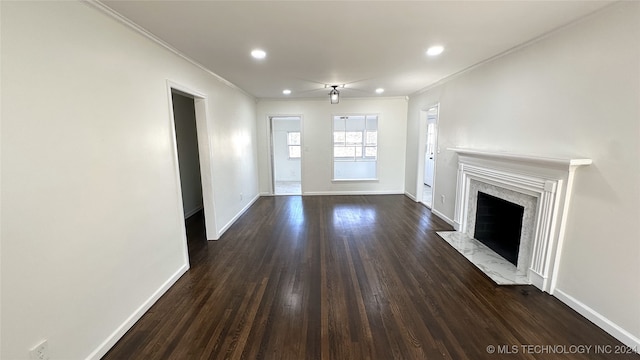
242, 211
443, 217
410, 196
607, 325
365, 192
265, 193
137, 314
193, 211
537, 280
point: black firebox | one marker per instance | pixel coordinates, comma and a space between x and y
499, 225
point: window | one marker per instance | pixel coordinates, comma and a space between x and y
293, 143
355, 147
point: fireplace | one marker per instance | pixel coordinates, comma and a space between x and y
499, 225
535, 190
527, 225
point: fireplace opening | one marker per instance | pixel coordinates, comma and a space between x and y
499, 225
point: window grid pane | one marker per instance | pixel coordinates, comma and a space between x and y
354, 138
355, 147
371, 151
293, 138
358, 151
372, 137
294, 151
344, 152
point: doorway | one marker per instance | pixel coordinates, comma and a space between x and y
192, 158
184, 121
184, 115
286, 155
427, 156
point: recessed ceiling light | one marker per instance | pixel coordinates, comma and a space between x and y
435, 50
379, 90
258, 54
286, 91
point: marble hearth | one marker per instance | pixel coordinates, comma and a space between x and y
501, 271
541, 185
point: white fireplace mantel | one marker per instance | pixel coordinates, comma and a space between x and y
548, 180
559, 163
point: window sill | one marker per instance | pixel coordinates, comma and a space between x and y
355, 180
356, 160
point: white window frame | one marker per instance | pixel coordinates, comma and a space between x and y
289, 145
363, 145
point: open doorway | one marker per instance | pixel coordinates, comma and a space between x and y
286, 155
184, 115
184, 121
192, 159
427, 156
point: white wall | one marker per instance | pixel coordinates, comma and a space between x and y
354, 170
286, 169
92, 229
576, 92
317, 143
187, 143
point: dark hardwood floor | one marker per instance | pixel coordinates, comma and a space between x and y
349, 277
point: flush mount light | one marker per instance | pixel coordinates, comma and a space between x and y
379, 90
286, 91
258, 54
435, 50
334, 95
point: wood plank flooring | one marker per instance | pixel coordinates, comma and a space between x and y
348, 277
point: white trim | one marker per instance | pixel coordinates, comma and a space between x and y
323, 98
516, 48
595, 317
354, 180
552, 162
112, 339
205, 154
97, 4
233, 220
423, 127
362, 192
410, 196
193, 211
290, 145
272, 165
272, 174
537, 279
546, 179
176, 165
443, 217
333, 159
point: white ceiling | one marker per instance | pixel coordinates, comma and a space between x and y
364, 44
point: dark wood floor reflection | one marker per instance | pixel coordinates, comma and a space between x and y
347, 277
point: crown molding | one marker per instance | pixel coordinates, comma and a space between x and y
405, 98
97, 4
516, 48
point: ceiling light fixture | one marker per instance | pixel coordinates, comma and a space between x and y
379, 90
435, 50
334, 95
286, 91
258, 54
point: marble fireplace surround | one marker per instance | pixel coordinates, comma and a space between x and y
542, 185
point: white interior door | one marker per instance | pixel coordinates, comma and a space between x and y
429, 155
428, 169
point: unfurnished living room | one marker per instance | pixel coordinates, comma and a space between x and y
320, 179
